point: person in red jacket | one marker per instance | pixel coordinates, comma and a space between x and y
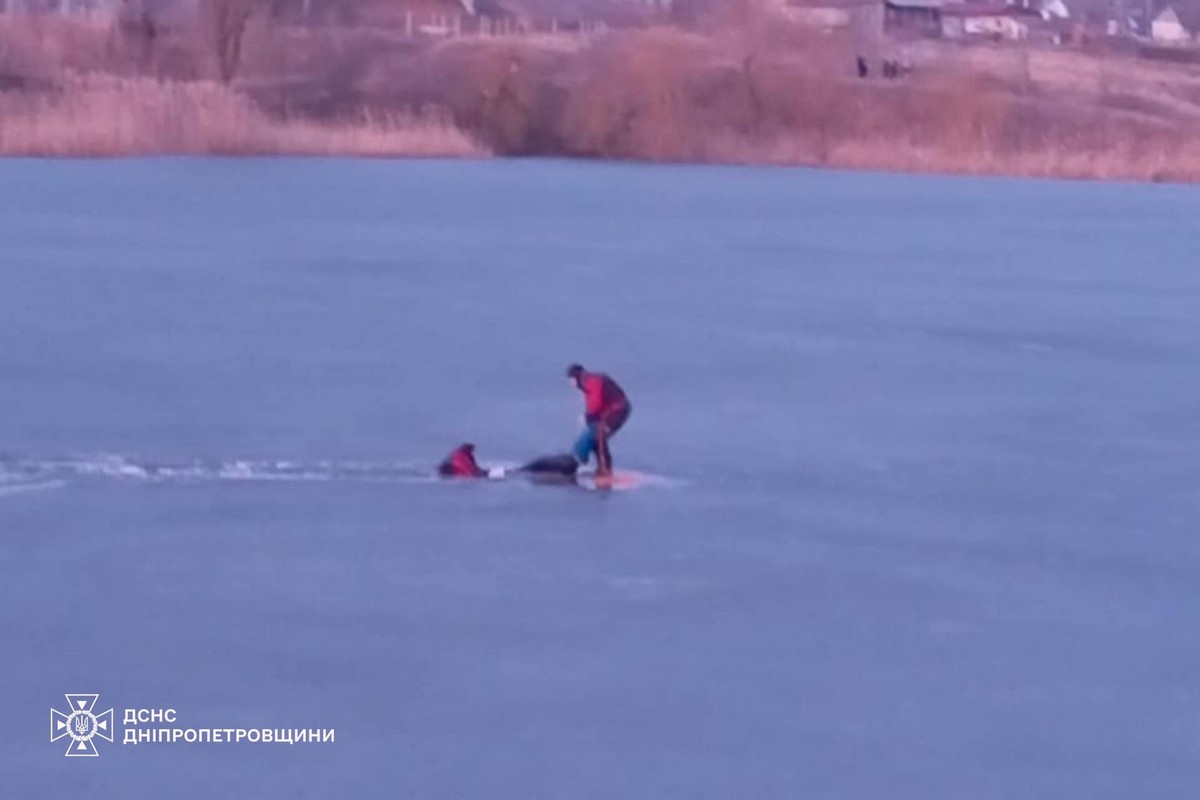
607, 409
461, 464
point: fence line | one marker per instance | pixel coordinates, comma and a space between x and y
451, 26
413, 25
63, 8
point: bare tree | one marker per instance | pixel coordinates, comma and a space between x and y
223, 23
138, 28
634, 102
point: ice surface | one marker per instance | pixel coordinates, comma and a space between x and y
932, 531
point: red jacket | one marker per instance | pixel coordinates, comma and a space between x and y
602, 395
461, 464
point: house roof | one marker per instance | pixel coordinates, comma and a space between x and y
976, 10
1168, 15
1055, 8
929, 4
1186, 14
992, 9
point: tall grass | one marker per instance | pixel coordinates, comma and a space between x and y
137, 116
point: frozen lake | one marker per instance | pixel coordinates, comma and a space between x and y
923, 523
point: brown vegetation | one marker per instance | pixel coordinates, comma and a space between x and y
132, 116
737, 86
70, 88
672, 96
224, 25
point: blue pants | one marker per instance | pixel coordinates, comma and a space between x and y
585, 445
587, 442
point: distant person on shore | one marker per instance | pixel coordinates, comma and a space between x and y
461, 464
863, 70
606, 410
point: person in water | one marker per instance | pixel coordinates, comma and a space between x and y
606, 410
461, 464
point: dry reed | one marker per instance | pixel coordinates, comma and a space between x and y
115, 117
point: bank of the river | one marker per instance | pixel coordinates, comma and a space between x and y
659, 94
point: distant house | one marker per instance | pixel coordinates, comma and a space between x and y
922, 18
1046, 9
1168, 28
973, 20
429, 17
825, 18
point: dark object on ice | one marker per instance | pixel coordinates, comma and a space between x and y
562, 466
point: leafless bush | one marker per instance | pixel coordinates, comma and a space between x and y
633, 100
44, 46
494, 91
223, 23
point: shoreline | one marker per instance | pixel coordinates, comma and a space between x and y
89, 155
659, 95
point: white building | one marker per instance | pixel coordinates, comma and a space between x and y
1054, 9
995, 26
975, 20
1167, 28
822, 17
